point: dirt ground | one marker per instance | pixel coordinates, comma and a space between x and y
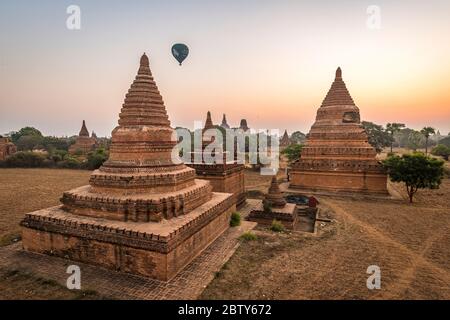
410, 243
27, 190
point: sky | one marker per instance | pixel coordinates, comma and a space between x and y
271, 62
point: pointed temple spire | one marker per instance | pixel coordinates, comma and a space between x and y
224, 123
143, 138
275, 197
338, 73
338, 94
284, 141
143, 103
208, 124
84, 131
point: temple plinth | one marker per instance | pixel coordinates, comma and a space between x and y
224, 176
337, 156
143, 212
84, 143
275, 207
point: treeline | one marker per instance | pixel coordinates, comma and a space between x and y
399, 136
58, 159
38, 151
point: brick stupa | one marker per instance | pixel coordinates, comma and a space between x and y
84, 143
226, 176
7, 148
224, 123
143, 212
274, 207
285, 141
337, 156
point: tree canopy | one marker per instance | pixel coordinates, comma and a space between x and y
416, 171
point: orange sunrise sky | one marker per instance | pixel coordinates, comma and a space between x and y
271, 62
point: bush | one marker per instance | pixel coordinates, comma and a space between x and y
248, 236
95, 159
70, 163
277, 226
235, 219
25, 159
293, 152
442, 151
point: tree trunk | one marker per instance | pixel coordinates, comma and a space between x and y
426, 145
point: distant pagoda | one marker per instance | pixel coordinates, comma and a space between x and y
285, 141
84, 143
337, 156
224, 123
143, 212
244, 125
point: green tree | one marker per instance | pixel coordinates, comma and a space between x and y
292, 152
28, 142
392, 128
26, 131
379, 138
415, 140
95, 159
442, 151
445, 141
416, 171
427, 131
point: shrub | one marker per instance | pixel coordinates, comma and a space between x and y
293, 152
235, 219
277, 226
70, 163
248, 236
95, 159
25, 159
442, 151
267, 207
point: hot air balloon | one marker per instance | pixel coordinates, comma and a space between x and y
180, 51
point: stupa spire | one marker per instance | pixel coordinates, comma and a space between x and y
84, 131
143, 103
208, 124
338, 94
143, 138
338, 73
224, 123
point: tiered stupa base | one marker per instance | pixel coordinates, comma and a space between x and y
157, 250
338, 182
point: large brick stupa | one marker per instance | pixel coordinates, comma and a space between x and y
337, 156
143, 212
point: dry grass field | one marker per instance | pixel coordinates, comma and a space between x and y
410, 243
26, 190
